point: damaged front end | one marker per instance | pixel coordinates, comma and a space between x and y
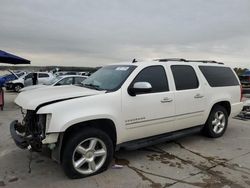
30, 132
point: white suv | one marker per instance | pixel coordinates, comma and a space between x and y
128, 105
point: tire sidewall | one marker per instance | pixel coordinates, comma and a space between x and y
209, 127
73, 142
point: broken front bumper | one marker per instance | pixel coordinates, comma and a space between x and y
24, 138
21, 141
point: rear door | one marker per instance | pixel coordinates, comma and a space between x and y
28, 79
190, 96
43, 78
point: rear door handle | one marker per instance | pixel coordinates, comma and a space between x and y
198, 96
164, 100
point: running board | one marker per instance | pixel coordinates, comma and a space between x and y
153, 140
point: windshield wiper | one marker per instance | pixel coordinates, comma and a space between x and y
92, 86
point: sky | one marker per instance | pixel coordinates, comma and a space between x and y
95, 33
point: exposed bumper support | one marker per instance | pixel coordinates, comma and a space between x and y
20, 141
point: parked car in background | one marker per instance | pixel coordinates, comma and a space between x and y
59, 81
9, 77
61, 73
245, 79
245, 82
245, 113
26, 80
84, 73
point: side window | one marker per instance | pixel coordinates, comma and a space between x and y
65, 81
156, 76
43, 75
79, 80
184, 77
30, 75
219, 76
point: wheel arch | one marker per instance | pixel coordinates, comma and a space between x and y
106, 125
14, 84
226, 104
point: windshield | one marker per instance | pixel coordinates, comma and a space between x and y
19, 74
53, 81
109, 78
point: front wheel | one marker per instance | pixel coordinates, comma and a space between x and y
18, 87
216, 124
87, 153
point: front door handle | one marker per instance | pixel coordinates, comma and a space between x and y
164, 100
198, 96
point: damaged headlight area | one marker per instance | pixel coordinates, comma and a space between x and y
29, 132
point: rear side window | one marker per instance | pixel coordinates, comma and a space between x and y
156, 76
219, 76
184, 77
43, 75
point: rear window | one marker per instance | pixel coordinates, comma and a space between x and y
219, 76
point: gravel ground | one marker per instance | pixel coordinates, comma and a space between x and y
193, 161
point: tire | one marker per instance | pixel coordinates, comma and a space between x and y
217, 121
17, 87
79, 153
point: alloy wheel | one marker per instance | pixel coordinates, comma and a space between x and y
89, 156
219, 122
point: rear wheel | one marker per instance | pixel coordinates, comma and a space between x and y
216, 124
87, 153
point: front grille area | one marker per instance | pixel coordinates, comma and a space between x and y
34, 129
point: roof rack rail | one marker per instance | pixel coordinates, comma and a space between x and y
187, 60
206, 61
170, 59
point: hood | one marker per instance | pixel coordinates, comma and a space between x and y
30, 100
18, 80
33, 87
13, 73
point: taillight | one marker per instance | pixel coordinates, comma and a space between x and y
241, 93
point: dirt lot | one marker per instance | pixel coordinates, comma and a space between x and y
193, 161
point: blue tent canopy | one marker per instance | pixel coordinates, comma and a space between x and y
12, 59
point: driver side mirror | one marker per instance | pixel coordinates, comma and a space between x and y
139, 88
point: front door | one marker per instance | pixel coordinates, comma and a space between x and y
28, 79
151, 113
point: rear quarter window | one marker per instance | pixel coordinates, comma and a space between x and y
219, 76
